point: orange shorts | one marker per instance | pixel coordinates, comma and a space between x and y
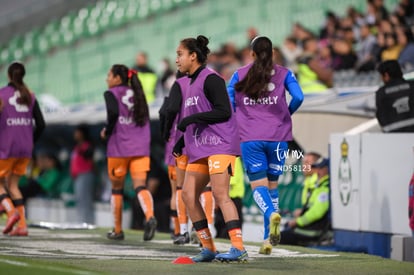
181, 162
16, 166
215, 164
137, 166
172, 174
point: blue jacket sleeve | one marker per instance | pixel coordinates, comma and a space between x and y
292, 85
231, 91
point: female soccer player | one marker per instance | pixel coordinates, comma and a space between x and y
18, 108
212, 144
169, 116
128, 134
257, 92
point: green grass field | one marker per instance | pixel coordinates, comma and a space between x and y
89, 252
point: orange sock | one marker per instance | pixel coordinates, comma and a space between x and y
147, 205
175, 222
20, 208
207, 201
8, 205
206, 240
181, 212
116, 206
236, 238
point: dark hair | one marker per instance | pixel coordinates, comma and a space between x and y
408, 35
392, 68
179, 74
199, 46
292, 39
130, 78
84, 130
16, 73
51, 155
393, 35
254, 85
315, 155
307, 40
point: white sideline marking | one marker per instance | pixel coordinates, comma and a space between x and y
47, 267
14, 262
253, 251
86, 247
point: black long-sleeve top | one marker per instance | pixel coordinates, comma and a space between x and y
162, 114
171, 110
39, 121
112, 112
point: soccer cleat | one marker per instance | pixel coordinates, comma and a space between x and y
266, 248
182, 239
149, 229
274, 232
194, 238
11, 221
19, 231
115, 236
234, 255
205, 255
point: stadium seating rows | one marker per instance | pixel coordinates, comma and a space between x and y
82, 46
88, 21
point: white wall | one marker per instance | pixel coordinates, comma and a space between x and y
381, 167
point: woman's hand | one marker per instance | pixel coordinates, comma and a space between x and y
103, 133
292, 223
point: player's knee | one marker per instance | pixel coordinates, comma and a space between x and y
188, 197
14, 191
221, 199
259, 175
116, 175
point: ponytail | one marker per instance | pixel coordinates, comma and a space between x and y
254, 85
141, 112
16, 73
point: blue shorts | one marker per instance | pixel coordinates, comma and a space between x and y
264, 158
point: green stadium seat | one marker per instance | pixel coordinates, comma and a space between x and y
143, 11
92, 27
41, 44
118, 17
131, 11
80, 29
68, 38
155, 6
103, 21
4, 56
28, 47
166, 4
66, 23
17, 54
95, 31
